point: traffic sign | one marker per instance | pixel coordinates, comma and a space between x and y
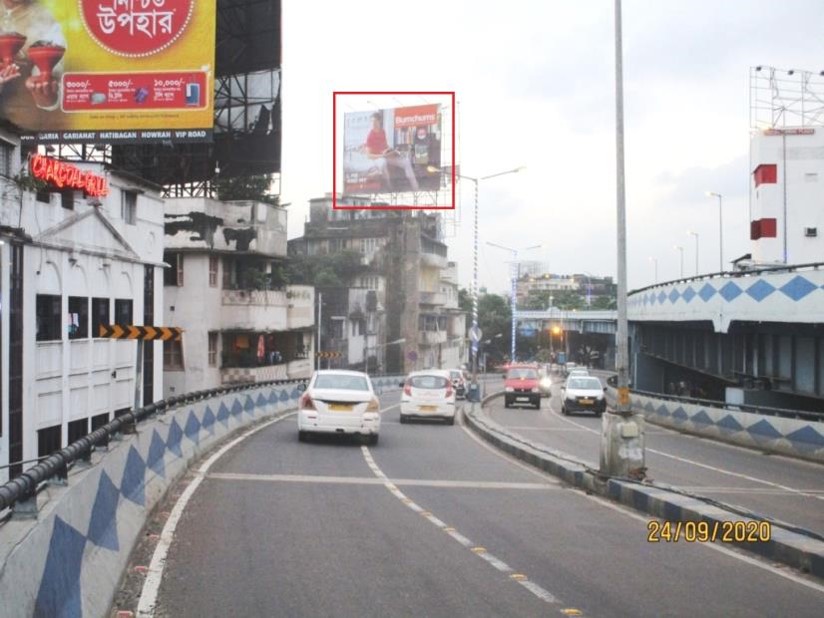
141, 333
475, 334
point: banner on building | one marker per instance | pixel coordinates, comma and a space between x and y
394, 150
108, 70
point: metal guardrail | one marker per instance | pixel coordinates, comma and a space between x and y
733, 407
57, 464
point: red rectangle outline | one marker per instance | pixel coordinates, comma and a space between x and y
335, 94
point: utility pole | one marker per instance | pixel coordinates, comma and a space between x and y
320, 315
622, 437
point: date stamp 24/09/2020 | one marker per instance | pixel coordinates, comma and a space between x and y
741, 531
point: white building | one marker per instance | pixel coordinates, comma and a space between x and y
787, 189
68, 263
225, 289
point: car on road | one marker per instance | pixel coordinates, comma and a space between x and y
339, 402
458, 383
521, 386
428, 395
583, 394
578, 371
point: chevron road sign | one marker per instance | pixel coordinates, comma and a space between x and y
141, 333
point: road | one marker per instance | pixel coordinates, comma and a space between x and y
787, 489
432, 522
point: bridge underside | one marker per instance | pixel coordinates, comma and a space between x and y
760, 363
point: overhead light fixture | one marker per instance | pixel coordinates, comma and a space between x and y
791, 71
758, 68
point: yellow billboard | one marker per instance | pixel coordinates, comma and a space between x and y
108, 70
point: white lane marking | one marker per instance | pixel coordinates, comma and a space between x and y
619, 508
497, 563
151, 585
369, 480
692, 462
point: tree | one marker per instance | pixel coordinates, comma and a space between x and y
605, 302
246, 188
465, 301
325, 270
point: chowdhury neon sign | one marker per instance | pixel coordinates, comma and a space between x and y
67, 176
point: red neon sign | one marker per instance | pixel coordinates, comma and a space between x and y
68, 176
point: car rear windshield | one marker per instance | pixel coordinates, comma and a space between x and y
343, 382
522, 373
428, 382
585, 383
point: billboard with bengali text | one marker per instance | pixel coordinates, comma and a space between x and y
395, 150
108, 71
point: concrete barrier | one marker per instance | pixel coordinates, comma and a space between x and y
68, 562
802, 551
799, 438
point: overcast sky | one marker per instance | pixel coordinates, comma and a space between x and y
535, 85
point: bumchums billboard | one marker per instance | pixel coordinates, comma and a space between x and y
108, 70
392, 150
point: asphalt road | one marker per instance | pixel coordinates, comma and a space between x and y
431, 522
787, 489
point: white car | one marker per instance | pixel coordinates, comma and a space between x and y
578, 371
583, 393
339, 402
428, 394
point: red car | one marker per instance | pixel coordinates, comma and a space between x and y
521, 385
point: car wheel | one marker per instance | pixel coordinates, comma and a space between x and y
538, 404
303, 436
506, 402
404, 420
450, 421
372, 440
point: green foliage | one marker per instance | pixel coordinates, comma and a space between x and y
325, 270
465, 301
246, 188
605, 302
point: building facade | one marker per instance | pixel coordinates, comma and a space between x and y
71, 261
416, 323
226, 288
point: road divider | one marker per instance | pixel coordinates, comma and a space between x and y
790, 545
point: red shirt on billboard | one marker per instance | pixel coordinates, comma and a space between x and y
136, 27
376, 141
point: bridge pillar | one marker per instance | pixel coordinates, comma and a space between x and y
622, 445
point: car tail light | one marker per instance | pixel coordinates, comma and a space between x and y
448, 390
374, 405
407, 389
306, 402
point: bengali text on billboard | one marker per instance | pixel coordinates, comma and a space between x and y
108, 70
392, 150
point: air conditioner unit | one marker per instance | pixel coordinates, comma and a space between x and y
810, 232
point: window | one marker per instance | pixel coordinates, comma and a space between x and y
123, 311
98, 422
48, 440
6, 154
213, 262
67, 200
212, 349
174, 274
78, 429
43, 196
100, 314
128, 207
173, 356
78, 317
48, 317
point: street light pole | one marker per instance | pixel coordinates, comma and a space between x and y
514, 300
622, 437
691, 233
681, 249
720, 230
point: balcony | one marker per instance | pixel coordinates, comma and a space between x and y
431, 337
432, 298
301, 305
255, 310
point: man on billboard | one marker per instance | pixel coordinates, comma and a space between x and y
31, 45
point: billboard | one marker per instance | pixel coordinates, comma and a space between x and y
393, 150
108, 70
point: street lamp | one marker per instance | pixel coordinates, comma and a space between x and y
477, 181
681, 249
655, 265
515, 274
691, 233
720, 230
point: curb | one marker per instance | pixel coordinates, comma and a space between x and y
796, 550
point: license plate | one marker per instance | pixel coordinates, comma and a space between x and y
340, 407
585, 402
522, 399
427, 408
